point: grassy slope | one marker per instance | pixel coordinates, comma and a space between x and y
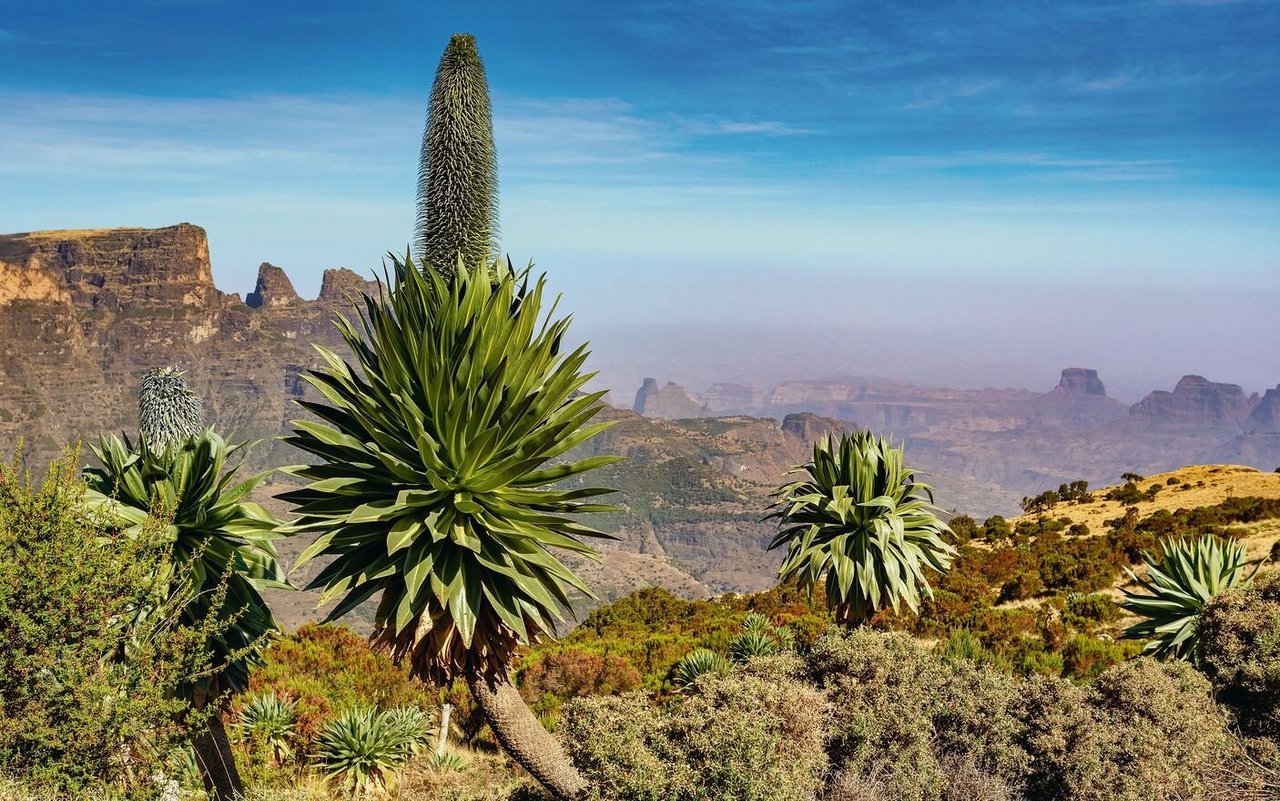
1220, 482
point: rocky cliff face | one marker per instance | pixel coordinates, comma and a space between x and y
114, 269
1196, 401
1266, 414
84, 313
809, 428
1080, 382
671, 402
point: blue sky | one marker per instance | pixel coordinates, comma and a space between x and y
1011, 171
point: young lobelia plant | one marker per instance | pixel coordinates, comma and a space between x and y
360, 751
222, 546
272, 719
440, 483
1186, 575
860, 524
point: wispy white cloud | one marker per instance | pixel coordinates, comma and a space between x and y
743, 128
1060, 166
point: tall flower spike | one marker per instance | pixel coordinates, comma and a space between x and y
457, 209
169, 412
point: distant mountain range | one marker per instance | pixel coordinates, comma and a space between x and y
1019, 440
84, 313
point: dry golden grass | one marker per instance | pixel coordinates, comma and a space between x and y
1193, 487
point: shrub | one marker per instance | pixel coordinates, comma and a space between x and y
327, 670
1240, 653
996, 528
746, 735
1144, 731
73, 712
963, 529
1127, 494
1088, 611
552, 677
899, 710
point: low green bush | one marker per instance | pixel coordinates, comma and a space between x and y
86, 680
1240, 653
755, 734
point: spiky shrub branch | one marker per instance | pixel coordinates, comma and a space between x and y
457, 208
1180, 580
861, 525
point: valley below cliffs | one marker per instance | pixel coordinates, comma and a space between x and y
84, 313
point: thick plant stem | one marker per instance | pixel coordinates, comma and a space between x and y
524, 739
217, 763
442, 741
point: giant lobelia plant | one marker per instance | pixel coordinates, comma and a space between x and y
861, 525
222, 545
1180, 580
457, 207
441, 486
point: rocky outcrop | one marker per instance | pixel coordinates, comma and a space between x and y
1080, 382
1195, 401
84, 313
733, 398
273, 290
672, 401
809, 427
1266, 413
340, 286
113, 269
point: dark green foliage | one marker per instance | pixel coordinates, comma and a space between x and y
996, 528
1240, 653
1185, 575
1075, 492
440, 486
72, 712
859, 524
215, 536
963, 529
1128, 494
457, 209
1039, 504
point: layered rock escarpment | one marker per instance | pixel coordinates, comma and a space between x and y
84, 313
1266, 414
1080, 382
1196, 401
671, 402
